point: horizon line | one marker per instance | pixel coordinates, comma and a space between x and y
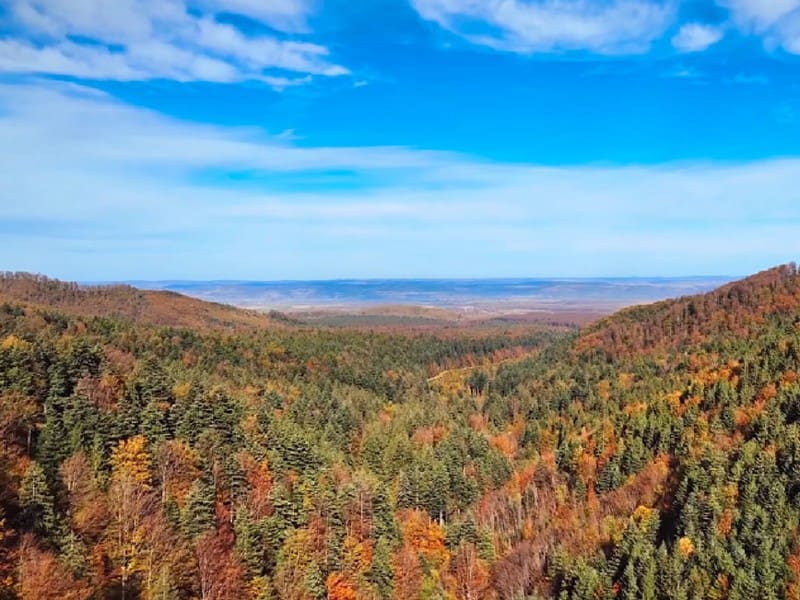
447, 278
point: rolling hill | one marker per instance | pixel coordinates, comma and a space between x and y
739, 308
163, 308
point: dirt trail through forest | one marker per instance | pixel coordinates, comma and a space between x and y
492, 365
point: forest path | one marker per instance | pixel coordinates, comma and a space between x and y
490, 365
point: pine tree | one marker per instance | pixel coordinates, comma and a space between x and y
197, 515
381, 572
74, 554
53, 444
37, 502
249, 544
155, 426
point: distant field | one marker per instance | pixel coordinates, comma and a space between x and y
432, 302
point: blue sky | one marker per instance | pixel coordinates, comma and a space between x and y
292, 139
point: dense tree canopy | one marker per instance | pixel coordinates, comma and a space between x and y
655, 455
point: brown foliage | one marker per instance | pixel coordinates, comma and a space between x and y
737, 308
407, 573
221, 575
17, 420
531, 520
259, 479
8, 555
472, 576
160, 308
43, 577
88, 510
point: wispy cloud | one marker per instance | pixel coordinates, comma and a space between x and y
132, 40
608, 27
760, 15
284, 15
777, 21
97, 188
614, 27
681, 71
744, 79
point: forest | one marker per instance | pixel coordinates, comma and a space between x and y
154, 447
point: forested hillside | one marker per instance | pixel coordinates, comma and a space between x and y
125, 302
654, 455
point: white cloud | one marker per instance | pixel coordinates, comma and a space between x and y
285, 15
161, 39
127, 188
71, 127
265, 52
777, 21
607, 26
759, 15
615, 26
788, 33
695, 37
66, 58
112, 22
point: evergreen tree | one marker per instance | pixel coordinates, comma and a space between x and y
37, 503
197, 515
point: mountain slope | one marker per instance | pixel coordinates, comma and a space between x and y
738, 308
160, 308
671, 435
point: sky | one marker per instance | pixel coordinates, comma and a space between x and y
324, 139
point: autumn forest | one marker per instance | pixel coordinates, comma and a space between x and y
158, 447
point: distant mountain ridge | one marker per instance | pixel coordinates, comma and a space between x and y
608, 293
737, 306
162, 308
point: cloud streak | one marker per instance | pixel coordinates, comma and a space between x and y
614, 27
100, 189
776, 21
138, 40
608, 27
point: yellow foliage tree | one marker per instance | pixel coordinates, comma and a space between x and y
685, 547
131, 460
